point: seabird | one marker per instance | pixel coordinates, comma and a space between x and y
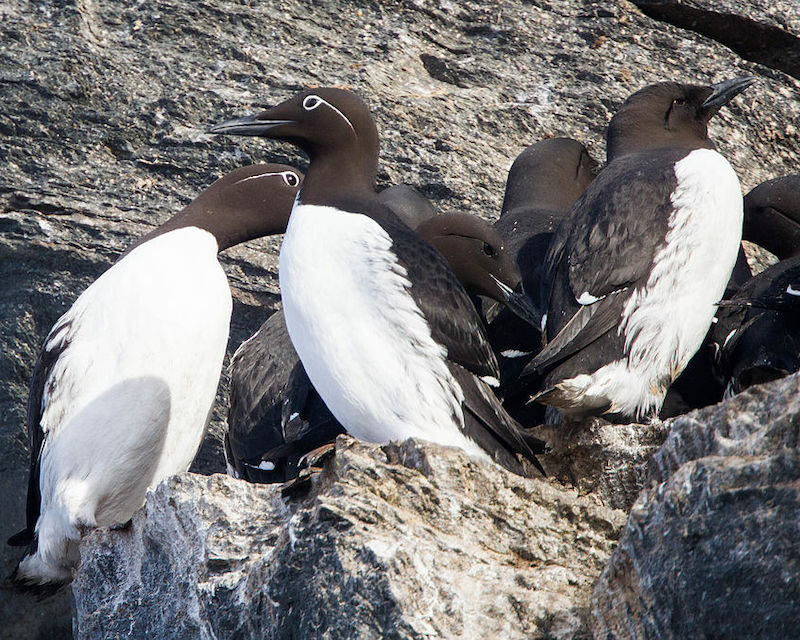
385, 331
745, 343
637, 268
772, 215
543, 183
276, 416
123, 387
265, 436
757, 335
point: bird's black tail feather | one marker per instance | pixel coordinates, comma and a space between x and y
22, 584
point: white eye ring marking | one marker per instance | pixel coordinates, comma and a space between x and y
312, 101
287, 176
290, 178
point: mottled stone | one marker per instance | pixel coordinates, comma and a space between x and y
712, 547
763, 31
606, 460
405, 540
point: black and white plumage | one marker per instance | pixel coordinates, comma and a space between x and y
276, 416
123, 387
757, 335
385, 331
636, 270
771, 220
543, 183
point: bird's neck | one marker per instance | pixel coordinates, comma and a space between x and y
333, 176
230, 225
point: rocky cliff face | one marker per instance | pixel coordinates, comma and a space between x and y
399, 541
711, 546
104, 107
414, 540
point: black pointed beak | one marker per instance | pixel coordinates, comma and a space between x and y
246, 126
520, 304
725, 91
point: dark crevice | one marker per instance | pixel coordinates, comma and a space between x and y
21, 202
442, 70
757, 42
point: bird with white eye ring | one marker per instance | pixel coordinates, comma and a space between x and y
385, 331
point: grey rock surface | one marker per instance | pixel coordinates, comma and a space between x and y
711, 548
103, 110
764, 31
608, 461
404, 540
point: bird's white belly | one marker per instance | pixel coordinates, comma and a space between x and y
361, 337
665, 321
131, 394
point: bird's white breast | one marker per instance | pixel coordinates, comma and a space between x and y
127, 402
668, 318
362, 338
665, 320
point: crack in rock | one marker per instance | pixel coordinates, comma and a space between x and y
755, 41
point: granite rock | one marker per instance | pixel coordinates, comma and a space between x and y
764, 31
711, 547
406, 540
609, 461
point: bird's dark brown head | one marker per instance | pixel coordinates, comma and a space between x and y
333, 126
244, 204
475, 253
669, 114
772, 216
550, 174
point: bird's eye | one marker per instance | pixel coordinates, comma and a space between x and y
290, 179
679, 101
311, 102
488, 250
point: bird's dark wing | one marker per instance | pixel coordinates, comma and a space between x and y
488, 424
260, 371
604, 248
56, 343
306, 424
589, 323
306, 421
755, 336
452, 318
776, 288
616, 228
276, 416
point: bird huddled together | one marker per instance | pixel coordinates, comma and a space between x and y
621, 292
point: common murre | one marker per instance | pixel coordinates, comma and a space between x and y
276, 416
123, 387
405, 355
543, 183
636, 270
